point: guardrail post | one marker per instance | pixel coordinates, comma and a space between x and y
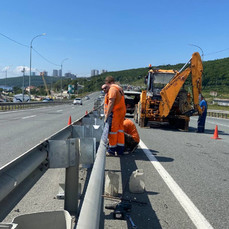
65, 154
71, 182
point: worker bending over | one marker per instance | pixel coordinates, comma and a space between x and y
131, 136
115, 111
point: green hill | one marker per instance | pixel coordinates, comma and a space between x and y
215, 78
35, 81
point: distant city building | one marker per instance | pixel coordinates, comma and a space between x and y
33, 73
55, 73
60, 73
45, 73
103, 71
94, 72
69, 75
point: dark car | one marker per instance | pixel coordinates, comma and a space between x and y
47, 100
131, 99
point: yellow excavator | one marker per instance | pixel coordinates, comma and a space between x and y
166, 100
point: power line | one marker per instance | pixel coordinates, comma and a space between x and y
14, 40
45, 58
216, 52
28, 47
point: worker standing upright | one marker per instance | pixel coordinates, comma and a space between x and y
115, 114
202, 117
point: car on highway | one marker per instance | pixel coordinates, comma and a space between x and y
78, 101
87, 97
47, 100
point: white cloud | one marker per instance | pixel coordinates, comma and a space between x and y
6, 68
18, 69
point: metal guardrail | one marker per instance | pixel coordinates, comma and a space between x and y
16, 106
218, 114
20, 171
91, 208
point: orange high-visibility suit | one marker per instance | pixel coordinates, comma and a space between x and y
115, 120
105, 106
130, 129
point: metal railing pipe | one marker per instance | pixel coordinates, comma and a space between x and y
16, 171
90, 212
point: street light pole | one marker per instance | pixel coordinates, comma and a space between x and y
30, 61
61, 83
23, 84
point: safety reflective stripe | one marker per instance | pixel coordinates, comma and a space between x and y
120, 144
120, 131
113, 146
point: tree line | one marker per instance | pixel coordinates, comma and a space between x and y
215, 77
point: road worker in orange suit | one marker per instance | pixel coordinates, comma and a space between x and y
114, 115
105, 88
131, 136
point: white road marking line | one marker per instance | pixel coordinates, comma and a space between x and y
194, 214
218, 124
59, 110
31, 116
214, 123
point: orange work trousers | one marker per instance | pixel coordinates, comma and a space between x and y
116, 132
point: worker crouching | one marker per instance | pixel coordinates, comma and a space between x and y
131, 136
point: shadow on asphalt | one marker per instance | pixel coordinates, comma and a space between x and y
143, 214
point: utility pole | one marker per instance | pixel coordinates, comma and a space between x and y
23, 84
5, 79
61, 86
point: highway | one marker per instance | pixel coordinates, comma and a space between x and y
20, 130
186, 173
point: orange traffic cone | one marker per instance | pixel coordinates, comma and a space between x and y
216, 133
69, 121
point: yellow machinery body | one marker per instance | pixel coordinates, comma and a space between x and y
171, 103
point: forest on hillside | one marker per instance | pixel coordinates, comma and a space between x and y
215, 78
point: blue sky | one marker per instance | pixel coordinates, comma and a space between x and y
111, 35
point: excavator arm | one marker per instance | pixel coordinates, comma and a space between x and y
171, 90
46, 87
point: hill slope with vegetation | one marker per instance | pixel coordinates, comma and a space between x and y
215, 78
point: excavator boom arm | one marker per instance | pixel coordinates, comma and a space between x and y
171, 90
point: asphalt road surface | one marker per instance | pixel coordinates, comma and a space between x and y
20, 130
186, 173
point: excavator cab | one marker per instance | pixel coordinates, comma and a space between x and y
156, 81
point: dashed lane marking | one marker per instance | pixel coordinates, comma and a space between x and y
31, 116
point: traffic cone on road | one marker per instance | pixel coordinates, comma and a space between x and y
69, 121
216, 133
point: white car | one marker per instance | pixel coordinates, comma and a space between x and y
78, 101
